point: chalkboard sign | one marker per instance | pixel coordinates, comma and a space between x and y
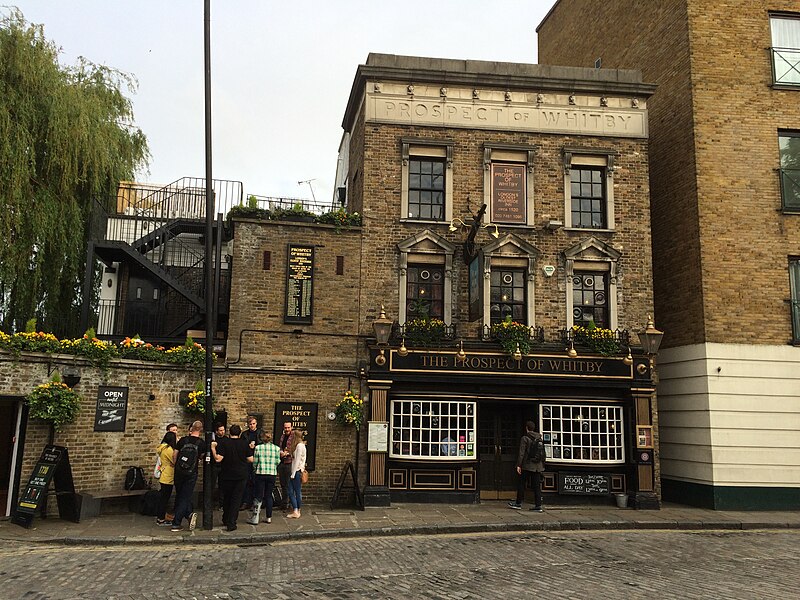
302, 416
299, 284
586, 484
53, 466
112, 408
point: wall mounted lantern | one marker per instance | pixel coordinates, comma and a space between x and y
382, 326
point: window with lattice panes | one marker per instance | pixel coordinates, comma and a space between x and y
576, 433
426, 189
590, 298
507, 295
588, 197
424, 292
433, 429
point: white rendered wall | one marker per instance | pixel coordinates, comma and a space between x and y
729, 415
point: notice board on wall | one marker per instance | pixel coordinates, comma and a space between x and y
52, 467
299, 284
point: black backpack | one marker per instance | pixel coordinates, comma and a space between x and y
187, 458
134, 479
536, 451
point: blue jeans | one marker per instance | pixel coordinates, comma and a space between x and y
295, 490
263, 491
184, 486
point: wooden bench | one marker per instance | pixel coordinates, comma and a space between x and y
90, 501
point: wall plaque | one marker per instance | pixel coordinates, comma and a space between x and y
508, 193
303, 416
299, 284
112, 408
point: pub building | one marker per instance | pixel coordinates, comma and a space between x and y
503, 200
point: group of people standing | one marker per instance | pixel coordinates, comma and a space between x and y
248, 464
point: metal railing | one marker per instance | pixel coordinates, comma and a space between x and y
273, 203
621, 336
786, 66
536, 334
790, 189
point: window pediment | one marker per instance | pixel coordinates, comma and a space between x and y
511, 245
426, 242
592, 249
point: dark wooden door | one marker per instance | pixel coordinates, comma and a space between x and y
499, 431
8, 422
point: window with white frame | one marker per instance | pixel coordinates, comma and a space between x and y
426, 192
591, 286
785, 31
575, 433
426, 290
433, 429
588, 189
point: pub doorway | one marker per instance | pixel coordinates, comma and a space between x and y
10, 442
500, 427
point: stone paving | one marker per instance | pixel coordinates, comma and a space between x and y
735, 564
399, 519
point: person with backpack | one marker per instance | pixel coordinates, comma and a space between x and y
530, 464
190, 449
166, 456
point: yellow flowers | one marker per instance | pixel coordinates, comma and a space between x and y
55, 402
350, 410
510, 333
602, 341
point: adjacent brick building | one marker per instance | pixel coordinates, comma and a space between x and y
726, 230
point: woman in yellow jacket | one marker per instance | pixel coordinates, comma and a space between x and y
166, 452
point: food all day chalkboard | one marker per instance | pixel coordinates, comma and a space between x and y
585, 484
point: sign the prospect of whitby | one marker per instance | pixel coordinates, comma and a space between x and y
482, 364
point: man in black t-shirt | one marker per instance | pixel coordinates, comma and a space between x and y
186, 475
235, 455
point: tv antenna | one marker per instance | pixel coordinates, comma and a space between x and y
311, 187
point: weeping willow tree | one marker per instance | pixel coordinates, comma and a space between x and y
66, 139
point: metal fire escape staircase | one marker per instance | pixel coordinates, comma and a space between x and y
157, 231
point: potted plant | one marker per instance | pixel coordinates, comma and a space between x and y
597, 339
424, 331
350, 410
54, 402
510, 333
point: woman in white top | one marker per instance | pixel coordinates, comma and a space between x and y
298, 450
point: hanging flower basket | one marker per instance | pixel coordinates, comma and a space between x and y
350, 410
55, 403
424, 332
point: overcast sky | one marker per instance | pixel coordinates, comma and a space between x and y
281, 71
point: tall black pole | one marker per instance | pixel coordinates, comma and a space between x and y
208, 516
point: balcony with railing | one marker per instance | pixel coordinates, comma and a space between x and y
785, 66
790, 190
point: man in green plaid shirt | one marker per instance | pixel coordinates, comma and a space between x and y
266, 457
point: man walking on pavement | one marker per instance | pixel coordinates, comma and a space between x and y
530, 464
190, 449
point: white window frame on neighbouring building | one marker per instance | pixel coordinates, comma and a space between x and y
785, 30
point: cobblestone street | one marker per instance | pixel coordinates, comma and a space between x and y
625, 564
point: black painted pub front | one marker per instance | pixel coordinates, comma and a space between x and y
455, 423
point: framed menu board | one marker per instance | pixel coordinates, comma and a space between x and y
299, 284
